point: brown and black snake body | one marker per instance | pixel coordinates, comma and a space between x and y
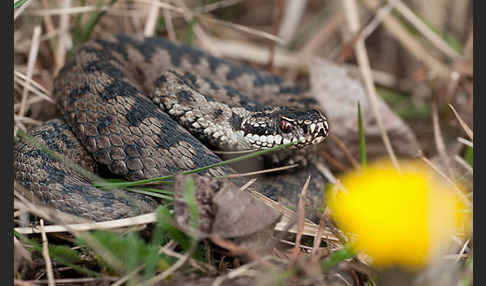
146, 107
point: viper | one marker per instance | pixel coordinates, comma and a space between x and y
140, 108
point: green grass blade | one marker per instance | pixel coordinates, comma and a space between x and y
19, 3
108, 185
152, 193
469, 156
94, 18
336, 257
188, 36
190, 199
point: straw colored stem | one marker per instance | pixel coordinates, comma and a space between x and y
351, 12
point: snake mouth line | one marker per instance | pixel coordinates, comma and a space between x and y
315, 133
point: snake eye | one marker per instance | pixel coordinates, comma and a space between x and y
285, 126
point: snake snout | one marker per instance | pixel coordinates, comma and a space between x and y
307, 128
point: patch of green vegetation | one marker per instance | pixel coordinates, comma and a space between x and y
469, 155
188, 36
61, 253
19, 3
131, 250
337, 256
403, 105
82, 32
134, 252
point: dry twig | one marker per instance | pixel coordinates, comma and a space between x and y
410, 43
463, 197
360, 49
30, 69
300, 220
438, 42
45, 254
462, 123
439, 142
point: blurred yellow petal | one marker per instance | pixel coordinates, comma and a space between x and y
397, 218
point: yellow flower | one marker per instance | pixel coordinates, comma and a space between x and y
398, 218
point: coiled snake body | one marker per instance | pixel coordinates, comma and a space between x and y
135, 106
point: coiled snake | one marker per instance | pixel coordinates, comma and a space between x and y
146, 107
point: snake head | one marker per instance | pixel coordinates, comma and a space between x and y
267, 130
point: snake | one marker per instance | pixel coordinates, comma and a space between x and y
139, 107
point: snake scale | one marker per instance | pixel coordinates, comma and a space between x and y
146, 107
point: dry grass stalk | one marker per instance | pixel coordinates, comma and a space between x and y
305, 54
465, 142
262, 171
150, 24
112, 224
33, 87
45, 254
30, 68
310, 228
376, 21
464, 164
410, 43
463, 124
22, 8
64, 38
327, 173
73, 281
217, 5
27, 43
463, 249
89, 239
351, 12
32, 100
21, 250
249, 183
336, 164
245, 29
23, 283
459, 16
439, 142
438, 42
250, 52
318, 238
127, 277
168, 24
300, 220
19, 125
49, 24
67, 11
166, 249
463, 197
240, 50
50, 214
278, 11
237, 250
28, 120
203, 37
293, 12
240, 271
189, 15
345, 150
